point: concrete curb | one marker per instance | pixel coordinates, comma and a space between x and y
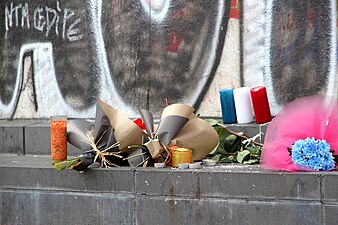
33, 192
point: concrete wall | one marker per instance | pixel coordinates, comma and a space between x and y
57, 56
32, 192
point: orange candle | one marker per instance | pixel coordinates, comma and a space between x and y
58, 138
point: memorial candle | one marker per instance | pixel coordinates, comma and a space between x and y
243, 105
260, 104
228, 106
58, 138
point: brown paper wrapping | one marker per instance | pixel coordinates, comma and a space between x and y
180, 126
102, 142
126, 132
177, 110
154, 147
198, 136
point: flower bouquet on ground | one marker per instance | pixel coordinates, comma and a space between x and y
178, 126
303, 136
106, 142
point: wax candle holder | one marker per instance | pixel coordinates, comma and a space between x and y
58, 138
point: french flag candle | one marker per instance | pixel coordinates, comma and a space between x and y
228, 106
260, 104
243, 105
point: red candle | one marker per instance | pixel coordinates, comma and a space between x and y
260, 104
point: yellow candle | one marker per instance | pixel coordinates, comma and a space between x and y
180, 155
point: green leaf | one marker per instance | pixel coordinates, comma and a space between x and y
234, 145
243, 156
212, 122
231, 137
222, 151
251, 161
214, 150
66, 164
255, 156
219, 149
222, 134
258, 149
229, 159
217, 129
251, 149
217, 157
231, 149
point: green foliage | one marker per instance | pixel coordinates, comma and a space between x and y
66, 164
231, 148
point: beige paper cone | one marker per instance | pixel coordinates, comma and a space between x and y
198, 136
125, 130
154, 148
178, 110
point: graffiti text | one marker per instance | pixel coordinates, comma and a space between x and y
62, 22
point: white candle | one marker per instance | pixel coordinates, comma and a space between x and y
243, 105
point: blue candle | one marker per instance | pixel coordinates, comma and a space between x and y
228, 106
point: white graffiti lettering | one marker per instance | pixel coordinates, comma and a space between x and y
25, 16
72, 32
14, 11
50, 23
39, 23
45, 19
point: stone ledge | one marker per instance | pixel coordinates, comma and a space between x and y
32, 137
227, 194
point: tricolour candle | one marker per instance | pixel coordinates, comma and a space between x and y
228, 106
260, 104
243, 105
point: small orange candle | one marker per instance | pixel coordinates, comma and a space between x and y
58, 138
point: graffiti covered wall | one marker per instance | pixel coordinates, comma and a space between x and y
57, 57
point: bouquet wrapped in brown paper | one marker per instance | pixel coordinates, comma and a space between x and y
105, 142
178, 126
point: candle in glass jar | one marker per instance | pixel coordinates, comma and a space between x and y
58, 138
260, 104
228, 106
243, 105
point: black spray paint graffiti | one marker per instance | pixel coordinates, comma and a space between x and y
173, 56
289, 46
60, 40
135, 53
301, 49
131, 53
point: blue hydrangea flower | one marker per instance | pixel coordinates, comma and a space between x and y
313, 153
